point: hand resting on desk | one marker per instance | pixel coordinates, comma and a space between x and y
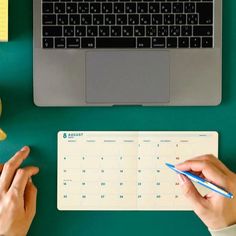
214, 210
17, 195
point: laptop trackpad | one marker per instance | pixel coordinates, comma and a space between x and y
128, 77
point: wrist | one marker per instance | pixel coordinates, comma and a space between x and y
222, 225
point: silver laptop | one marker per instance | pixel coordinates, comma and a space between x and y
127, 52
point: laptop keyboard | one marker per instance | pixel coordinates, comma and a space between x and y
127, 23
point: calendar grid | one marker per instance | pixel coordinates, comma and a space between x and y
125, 170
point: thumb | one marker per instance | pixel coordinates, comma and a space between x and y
191, 193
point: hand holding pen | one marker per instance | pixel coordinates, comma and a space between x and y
214, 210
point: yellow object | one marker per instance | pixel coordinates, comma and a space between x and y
3, 20
2, 134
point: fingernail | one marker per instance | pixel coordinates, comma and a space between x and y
25, 148
179, 164
181, 179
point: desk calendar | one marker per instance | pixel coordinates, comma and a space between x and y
125, 170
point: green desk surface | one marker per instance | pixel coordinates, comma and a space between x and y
37, 127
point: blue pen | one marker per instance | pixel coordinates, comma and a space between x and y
202, 182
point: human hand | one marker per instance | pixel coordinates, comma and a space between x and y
214, 210
17, 195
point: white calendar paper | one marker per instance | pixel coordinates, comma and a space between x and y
125, 170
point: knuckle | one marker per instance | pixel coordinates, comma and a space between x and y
13, 197
186, 191
205, 163
14, 191
21, 171
208, 157
9, 165
188, 162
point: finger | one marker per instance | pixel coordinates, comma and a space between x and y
11, 166
208, 169
21, 179
30, 198
190, 192
215, 161
1, 167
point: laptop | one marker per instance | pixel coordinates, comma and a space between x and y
127, 52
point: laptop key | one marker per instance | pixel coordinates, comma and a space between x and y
192, 19
69, 31
47, 7
73, 42
143, 42
156, 19
49, 19
151, 31
62, 19
195, 42
128, 31
139, 31
115, 30
95, 7
154, 7
180, 19
48, 43
52, 31
162, 30
174, 31
158, 42
60, 7
130, 7
202, 30
74, 19
145, 19
172, 42
189, 7
98, 19
88, 43
166, 7
104, 31
186, 30
133, 19
205, 11
184, 42
92, 31
115, 42
80, 31
169, 19
207, 42
86, 19
178, 7
83, 8
71, 8
59, 42
119, 8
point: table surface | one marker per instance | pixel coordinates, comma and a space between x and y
38, 127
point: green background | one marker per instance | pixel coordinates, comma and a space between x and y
27, 124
